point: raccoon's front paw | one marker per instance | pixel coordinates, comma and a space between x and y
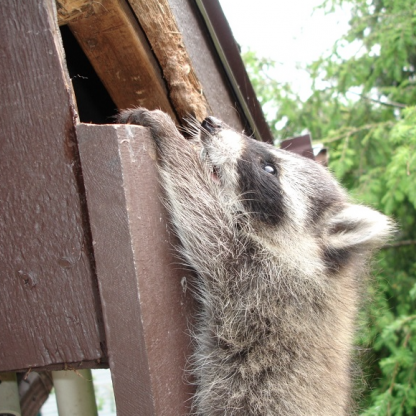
160, 123
140, 116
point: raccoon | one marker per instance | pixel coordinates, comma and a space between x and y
280, 255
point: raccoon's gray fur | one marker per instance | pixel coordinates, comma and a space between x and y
280, 255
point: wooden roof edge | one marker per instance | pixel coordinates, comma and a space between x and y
230, 56
165, 39
100, 28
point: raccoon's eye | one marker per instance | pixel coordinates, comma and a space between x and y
270, 169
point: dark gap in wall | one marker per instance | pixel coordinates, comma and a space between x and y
94, 103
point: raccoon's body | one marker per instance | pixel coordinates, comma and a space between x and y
280, 255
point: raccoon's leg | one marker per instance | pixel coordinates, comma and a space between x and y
212, 245
191, 198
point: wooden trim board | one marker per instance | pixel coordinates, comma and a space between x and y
142, 287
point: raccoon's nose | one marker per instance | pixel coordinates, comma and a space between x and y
211, 124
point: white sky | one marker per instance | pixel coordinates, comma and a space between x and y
290, 32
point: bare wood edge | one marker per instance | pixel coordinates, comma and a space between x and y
159, 24
117, 48
72, 10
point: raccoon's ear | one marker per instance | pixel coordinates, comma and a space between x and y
360, 227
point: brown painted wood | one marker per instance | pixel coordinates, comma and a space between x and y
49, 305
227, 46
119, 52
301, 145
142, 286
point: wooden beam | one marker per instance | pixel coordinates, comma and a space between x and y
117, 48
207, 65
159, 24
114, 43
146, 306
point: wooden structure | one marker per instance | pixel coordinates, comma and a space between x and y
88, 273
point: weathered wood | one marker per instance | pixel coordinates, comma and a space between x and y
142, 286
102, 27
70, 10
180, 41
118, 50
207, 65
34, 390
229, 53
159, 24
49, 304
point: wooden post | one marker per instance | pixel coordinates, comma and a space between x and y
142, 286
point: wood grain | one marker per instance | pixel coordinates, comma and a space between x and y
49, 304
145, 305
71, 10
119, 52
206, 64
159, 24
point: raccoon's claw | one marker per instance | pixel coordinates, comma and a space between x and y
139, 116
160, 124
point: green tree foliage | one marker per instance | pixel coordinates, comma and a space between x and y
363, 108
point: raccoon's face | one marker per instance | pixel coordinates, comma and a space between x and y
274, 186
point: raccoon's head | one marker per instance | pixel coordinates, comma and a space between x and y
278, 190
274, 186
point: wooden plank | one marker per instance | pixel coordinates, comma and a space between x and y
185, 90
49, 304
230, 56
194, 75
141, 283
114, 43
206, 64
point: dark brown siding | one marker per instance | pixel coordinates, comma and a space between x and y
48, 294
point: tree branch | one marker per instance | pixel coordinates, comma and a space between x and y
386, 103
399, 244
351, 131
